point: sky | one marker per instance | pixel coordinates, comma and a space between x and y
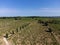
29, 7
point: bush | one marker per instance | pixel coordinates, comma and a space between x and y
17, 30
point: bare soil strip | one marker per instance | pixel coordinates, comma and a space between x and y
5, 40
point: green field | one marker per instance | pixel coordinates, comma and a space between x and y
30, 31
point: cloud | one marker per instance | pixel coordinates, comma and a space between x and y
10, 10
41, 11
53, 10
7, 10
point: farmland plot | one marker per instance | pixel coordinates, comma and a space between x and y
27, 32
